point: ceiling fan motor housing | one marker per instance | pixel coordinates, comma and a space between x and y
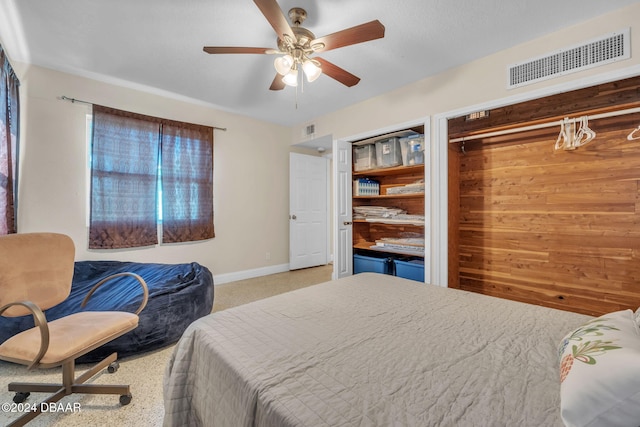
297, 15
303, 36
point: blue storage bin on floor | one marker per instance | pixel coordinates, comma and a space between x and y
363, 264
413, 269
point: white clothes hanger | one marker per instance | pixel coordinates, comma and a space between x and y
635, 134
570, 138
565, 138
584, 134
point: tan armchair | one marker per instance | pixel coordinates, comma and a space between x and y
36, 271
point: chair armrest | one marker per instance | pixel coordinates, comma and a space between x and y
40, 322
143, 284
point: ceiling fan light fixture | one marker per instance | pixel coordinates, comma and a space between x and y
291, 79
295, 44
311, 69
283, 64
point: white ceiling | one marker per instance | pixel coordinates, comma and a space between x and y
158, 44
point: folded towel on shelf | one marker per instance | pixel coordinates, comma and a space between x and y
376, 211
414, 188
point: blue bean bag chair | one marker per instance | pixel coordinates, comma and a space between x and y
178, 295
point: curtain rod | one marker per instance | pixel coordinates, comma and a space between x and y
74, 100
542, 125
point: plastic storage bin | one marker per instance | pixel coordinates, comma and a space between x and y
388, 153
362, 263
412, 149
364, 157
413, 269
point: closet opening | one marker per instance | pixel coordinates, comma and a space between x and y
546, 209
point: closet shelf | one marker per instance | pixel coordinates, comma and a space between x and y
398, 170
371, 246
592, 114
390, 221
392, 196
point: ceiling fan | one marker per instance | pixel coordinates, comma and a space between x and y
297, 46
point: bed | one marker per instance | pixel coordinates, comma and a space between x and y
378, 350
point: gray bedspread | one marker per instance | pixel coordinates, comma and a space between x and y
370, 350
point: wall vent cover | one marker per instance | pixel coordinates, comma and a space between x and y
310, 129
609, 48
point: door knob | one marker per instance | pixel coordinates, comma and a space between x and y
347, 223
293, 217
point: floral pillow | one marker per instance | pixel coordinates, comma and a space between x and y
600, 372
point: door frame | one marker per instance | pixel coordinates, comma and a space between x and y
422, 121
327, 231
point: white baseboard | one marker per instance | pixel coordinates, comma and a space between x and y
220, 279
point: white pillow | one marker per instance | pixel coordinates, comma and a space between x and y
600, 372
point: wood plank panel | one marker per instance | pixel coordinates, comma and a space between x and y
556, 228
618, 94
453, 227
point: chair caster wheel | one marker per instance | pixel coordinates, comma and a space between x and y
125, 399
20, 396
113, 367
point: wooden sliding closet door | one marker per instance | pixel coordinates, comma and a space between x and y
556, 228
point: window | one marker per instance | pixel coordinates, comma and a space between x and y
9, 121
138, 161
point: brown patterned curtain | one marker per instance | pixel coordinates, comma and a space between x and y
9, 137
187, 182
124, 179
130, 152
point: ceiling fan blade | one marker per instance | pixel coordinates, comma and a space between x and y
219, 49
277, 83
337, 73
354, 35
276, 18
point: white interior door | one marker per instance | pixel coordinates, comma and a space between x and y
343, 188
308, 211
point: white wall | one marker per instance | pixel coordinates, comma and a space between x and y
481, 84
250, 174
474, 83
251, 158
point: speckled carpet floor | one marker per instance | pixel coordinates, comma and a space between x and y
144, 372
